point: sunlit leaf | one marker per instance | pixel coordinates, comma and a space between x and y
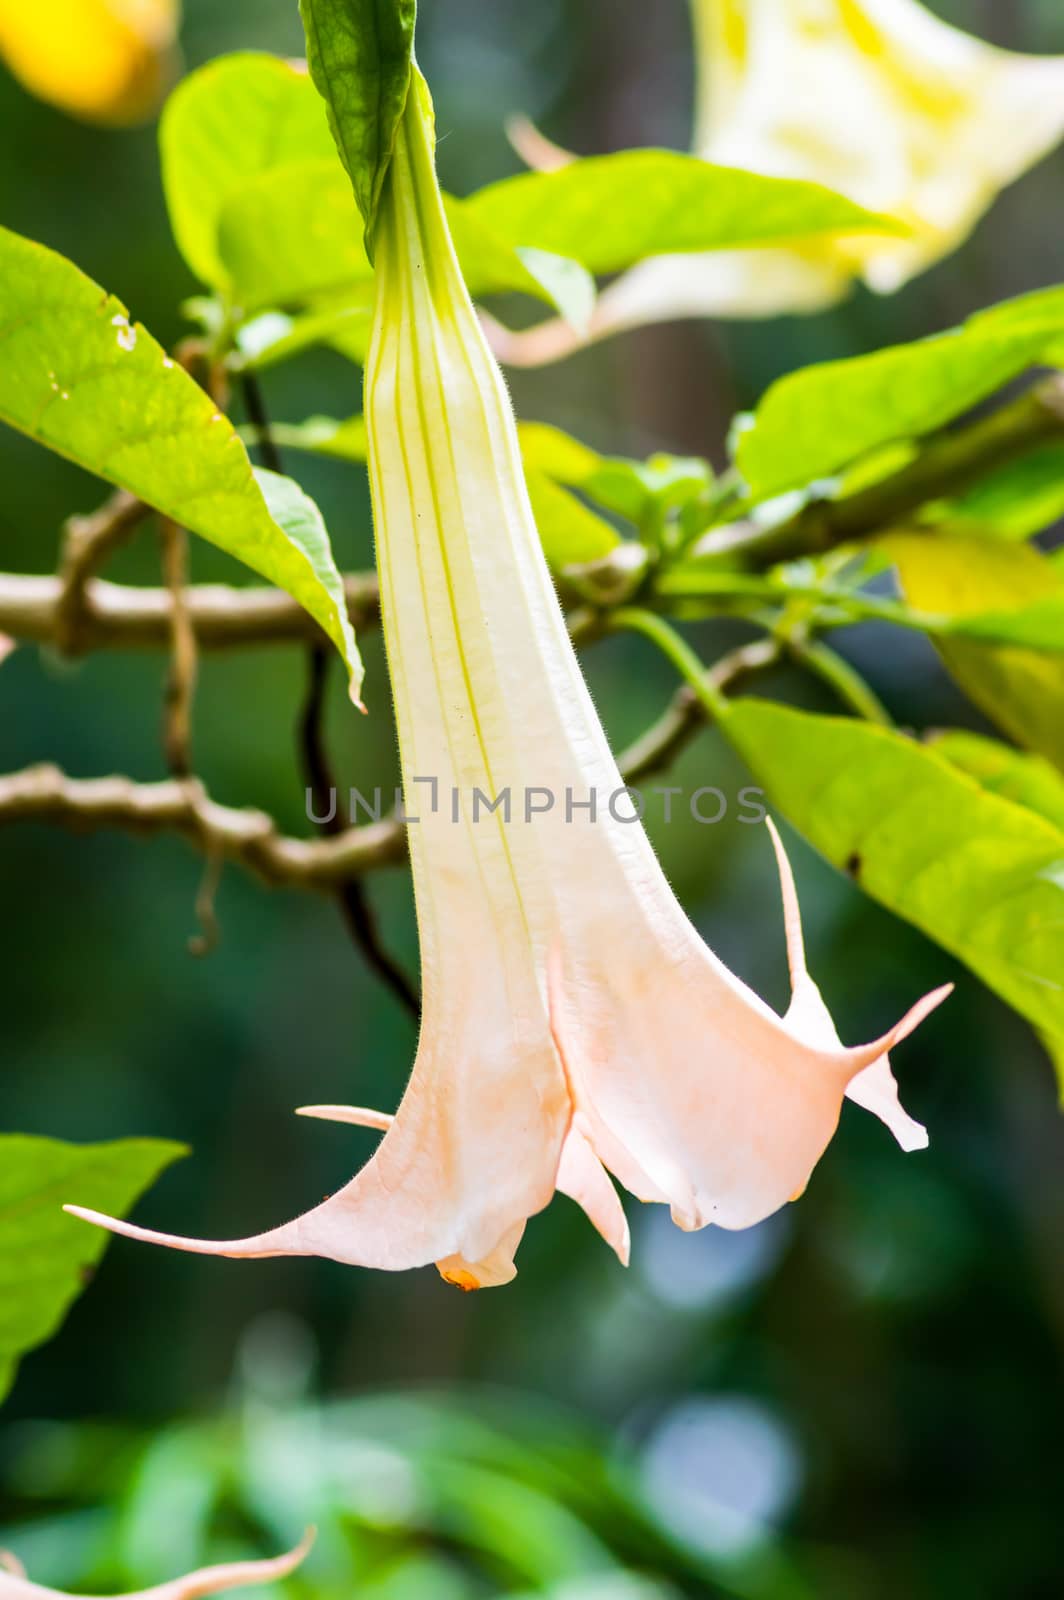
570, 533
608, 212
1014, 775
227, 123
821, 418
980, 875
45, 1256
1021, 690
289, 235
79, 377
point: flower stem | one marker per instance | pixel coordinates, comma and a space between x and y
679, 652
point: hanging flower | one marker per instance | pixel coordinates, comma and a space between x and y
14, 1585
876, 99
101, 60
574, 1021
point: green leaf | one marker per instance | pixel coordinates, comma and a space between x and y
77, 376
44, 1254
1025, 779
613, 482
1014, 502
324, 436
275, 336
360, 54
969, 579
817, 420
289, 236
233, 119
608, 212
570, 534
978, 874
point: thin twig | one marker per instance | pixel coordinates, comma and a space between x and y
353, 899
659, 747
246, 836
948, 463
352, 895
87, 543
181, 678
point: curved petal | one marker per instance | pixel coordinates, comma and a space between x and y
692, 1089
466, 1161
875, 1088
209, 1580
533, 147
583, 1178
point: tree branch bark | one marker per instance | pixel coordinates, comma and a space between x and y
121, 617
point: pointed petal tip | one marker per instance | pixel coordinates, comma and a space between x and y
533, 147
356, 1116
792, 915
253, 1248
864, 1055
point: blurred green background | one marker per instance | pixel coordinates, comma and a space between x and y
861, 1398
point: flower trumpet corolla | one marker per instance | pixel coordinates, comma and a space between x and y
102, 60
209, 1580
574, 1021
876, 99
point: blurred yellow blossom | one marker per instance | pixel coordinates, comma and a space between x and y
104, 61
877, 99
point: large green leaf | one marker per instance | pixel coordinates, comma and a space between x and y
1012, 774
970, 580
79, 377
233, 119
569, 532
611, 211
1014, 502
289, 236
982, 876
824, 417
360, 54
44, 1254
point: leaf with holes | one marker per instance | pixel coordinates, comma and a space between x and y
82, 379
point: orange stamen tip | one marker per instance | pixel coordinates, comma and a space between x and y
460, 1280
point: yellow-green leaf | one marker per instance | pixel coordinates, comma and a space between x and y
1020, 690
608, 212
982, 876
227, 123
79, 377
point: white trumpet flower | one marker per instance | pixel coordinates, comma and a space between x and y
574, 1022
876, 99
